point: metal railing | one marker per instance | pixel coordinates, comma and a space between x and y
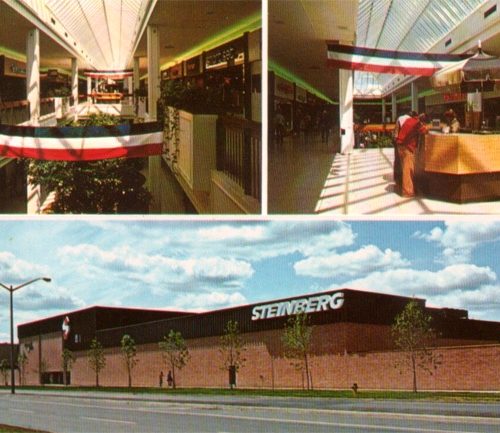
239, 144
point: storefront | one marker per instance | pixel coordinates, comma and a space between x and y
12, 79
231, 73
283, 100
436, 105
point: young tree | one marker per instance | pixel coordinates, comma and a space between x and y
297, 340
129, 352
4, 370
103, 186
42, 369
67, 360
97, 359
413, 334
175, 352
22, 361
232, 348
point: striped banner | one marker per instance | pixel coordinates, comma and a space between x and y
112, 75
86, 143
388, 62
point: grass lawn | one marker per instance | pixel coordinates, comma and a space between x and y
12, 429
397, 395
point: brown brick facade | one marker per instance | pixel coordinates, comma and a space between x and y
343, 353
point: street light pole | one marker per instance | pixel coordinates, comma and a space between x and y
12, 375
11, 289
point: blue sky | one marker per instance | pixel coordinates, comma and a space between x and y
205, 265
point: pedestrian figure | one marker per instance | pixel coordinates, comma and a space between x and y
324, 123
305, 126
280, 126
170, 380
407, 143
161, 379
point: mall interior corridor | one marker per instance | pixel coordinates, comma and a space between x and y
314, 178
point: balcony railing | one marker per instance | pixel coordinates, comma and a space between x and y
14, 112
239, 146
17, 112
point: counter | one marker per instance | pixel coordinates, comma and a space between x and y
459, 167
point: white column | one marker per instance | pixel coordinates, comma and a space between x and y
33, 74
89, 88
394, 107
414, 96
383, 110
346, 100
33, 192
74, 80
137, 78
153, 36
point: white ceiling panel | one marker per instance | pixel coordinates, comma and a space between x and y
406, 25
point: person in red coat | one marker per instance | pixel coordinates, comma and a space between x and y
407, 142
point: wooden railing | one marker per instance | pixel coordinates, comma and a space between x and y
239, 144
16, 112
47, 106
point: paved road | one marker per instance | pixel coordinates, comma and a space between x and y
59, 413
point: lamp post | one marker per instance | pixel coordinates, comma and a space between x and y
11, 289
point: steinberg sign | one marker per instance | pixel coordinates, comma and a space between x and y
313, 304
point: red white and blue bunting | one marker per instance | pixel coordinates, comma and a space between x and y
111, 75
388, 62
86, 143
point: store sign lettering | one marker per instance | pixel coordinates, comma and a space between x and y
17, 70
451, 97
14, 68
313, 304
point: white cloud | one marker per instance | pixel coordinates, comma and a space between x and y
480, 302
459, 239
360, 262
158, 272
16, 271
257, 241
466, 278
209, 301
45, 300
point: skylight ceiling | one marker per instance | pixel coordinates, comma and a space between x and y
107, 30
409, 25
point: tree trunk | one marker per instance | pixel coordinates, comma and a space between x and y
64, 376
414, 367
97, 380
307, 372
173, 377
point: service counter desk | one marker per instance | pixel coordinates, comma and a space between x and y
459, 167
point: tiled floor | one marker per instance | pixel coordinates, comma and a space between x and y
311, 179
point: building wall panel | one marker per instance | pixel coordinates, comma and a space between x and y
337, 361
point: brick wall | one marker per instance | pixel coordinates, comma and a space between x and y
342, 354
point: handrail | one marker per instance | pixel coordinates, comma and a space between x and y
239, 152
22, 103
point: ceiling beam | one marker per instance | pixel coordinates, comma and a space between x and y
148, 11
